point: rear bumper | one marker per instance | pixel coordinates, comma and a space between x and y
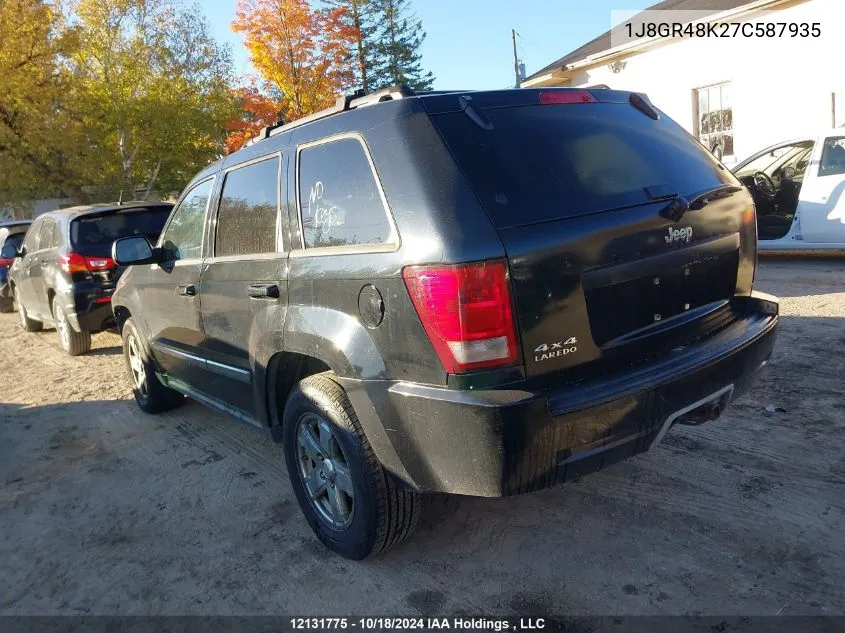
95, 317
503, 442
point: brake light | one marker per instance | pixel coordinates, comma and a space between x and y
99, 263
466, 312
76, 263
566, 96
6, 262
72, 263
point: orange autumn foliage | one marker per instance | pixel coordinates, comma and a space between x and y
257, 111
304, 53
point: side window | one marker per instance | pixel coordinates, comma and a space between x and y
246, 218
833, 157
45, 235
57, 235
30, 242
339, 199
183, 236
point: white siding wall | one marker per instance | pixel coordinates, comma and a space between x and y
781, 87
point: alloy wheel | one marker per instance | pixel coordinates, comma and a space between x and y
63, 327
136, 367
21, 309
324, 471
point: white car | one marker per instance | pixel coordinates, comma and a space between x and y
798, 189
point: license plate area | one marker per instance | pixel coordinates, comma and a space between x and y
629, 297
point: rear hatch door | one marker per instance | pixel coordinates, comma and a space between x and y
625, 238
92, 236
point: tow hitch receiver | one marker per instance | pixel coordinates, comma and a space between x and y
704, 410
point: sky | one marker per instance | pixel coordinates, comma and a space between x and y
468, 44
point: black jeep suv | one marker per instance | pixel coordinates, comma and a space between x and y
481, 293
63, 272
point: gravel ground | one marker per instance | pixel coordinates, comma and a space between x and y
105, 510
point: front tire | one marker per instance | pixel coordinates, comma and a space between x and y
150, 394
73, 342
28, 325
351, 503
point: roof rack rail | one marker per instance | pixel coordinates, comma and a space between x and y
385, 94
357, 99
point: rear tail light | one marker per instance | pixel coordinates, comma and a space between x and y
466, 312
551, 97
5, 262
76, 263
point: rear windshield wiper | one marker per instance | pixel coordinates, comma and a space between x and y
679, 205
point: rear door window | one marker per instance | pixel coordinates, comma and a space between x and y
545, 162
249, 204
340, 200
15, 239
94, 235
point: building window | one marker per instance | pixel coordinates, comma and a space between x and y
714, 119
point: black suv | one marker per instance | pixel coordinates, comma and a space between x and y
63, 272
12, 233
480, 293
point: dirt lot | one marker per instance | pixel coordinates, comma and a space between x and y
104, 510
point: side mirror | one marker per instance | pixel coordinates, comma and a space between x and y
9, 251
131, 251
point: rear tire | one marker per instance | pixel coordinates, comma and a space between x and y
150, 394
73, 342
379, 515
6, 305
28, 325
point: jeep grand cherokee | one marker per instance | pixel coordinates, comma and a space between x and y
479, 293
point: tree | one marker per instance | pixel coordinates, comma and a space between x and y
359, 16
156, 91
302, 53
44, 146
397, 57
257, 110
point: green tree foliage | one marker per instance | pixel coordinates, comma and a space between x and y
156, 88
44, 145
396, 57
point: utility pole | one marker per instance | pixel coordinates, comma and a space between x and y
515, 59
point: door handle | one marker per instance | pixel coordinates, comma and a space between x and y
263, 291
186, 290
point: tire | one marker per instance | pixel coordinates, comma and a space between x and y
28, 325
150, 394
380, 515
73, 342
6, 305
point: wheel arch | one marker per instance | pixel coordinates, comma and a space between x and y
284, 371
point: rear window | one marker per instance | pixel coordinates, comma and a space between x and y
94, 235
15, 239
556, 161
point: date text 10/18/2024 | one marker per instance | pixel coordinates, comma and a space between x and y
420, 624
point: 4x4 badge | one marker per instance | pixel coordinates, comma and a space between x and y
546, 351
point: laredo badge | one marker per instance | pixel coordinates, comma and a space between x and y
547, 351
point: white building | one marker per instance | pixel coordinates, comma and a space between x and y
736, 94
